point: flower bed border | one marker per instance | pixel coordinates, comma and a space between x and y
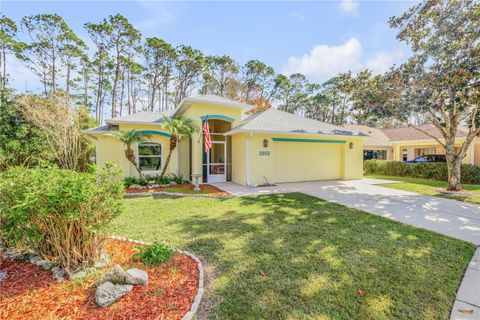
198, 297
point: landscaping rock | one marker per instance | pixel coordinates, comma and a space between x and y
107, 293
103, 262
17, 255
82, 273
135, 186
136, 276
3, 276
45, 264
115, 275
58, 274
173, 183
34, 259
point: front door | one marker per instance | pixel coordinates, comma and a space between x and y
216, 162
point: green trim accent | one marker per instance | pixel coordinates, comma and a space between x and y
157, 133
218, 117
309, 140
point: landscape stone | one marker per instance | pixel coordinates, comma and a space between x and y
173, 183
104, 261
45, 264
135, 186
136, 276
82, 273
58, 274
107, 293
115, 275
3, 276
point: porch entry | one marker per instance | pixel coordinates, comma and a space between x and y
217, 164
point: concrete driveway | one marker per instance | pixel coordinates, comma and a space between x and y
450, 217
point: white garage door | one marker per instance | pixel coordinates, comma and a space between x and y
307, 161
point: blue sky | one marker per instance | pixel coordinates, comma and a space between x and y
318, 39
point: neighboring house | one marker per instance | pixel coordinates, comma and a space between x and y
403, 144
270, 146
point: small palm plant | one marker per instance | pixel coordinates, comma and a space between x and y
128, 138
178, 127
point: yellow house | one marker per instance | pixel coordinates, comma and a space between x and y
268, 147
408, 143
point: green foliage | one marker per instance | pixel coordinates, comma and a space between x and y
129, 181
59, 213
154, 254
21, 143
178, 178
435, 171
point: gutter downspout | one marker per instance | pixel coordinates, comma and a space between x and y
247, 164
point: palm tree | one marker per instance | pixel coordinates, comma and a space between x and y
178, 127
128, 138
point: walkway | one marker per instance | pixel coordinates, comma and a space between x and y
450, 217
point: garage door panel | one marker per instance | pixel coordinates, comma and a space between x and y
307, 161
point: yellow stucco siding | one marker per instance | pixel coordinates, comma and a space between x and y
283, 161
239, 159
112, 150
195, 112
284, 158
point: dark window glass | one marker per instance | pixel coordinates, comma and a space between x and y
149, 149
150, 156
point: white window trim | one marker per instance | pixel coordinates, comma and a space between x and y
161, 157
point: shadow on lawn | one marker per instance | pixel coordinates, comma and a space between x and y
290, 256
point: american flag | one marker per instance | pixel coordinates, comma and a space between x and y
206, 135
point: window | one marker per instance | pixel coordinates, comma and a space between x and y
404, 155
150, 156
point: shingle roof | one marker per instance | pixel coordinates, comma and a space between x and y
376, 137
410, 133
100, 129
142, 117
273, 120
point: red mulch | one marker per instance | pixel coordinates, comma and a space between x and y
205, 189
29, 292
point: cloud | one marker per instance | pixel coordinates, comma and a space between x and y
349, 7
325, 61
382, 61
296, 15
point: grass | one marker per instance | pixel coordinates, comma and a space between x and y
292, 256
430, 187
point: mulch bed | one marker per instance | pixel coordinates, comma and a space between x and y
29, 292
205, 189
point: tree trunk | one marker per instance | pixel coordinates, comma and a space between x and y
130, 155
454, 175
173, 145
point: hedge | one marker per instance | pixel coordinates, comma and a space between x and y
470, 173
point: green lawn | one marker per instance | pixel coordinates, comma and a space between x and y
429, 187
293, 256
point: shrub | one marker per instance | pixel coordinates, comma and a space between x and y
59, 213
176, 178
130, 181
433, 170
154, 254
